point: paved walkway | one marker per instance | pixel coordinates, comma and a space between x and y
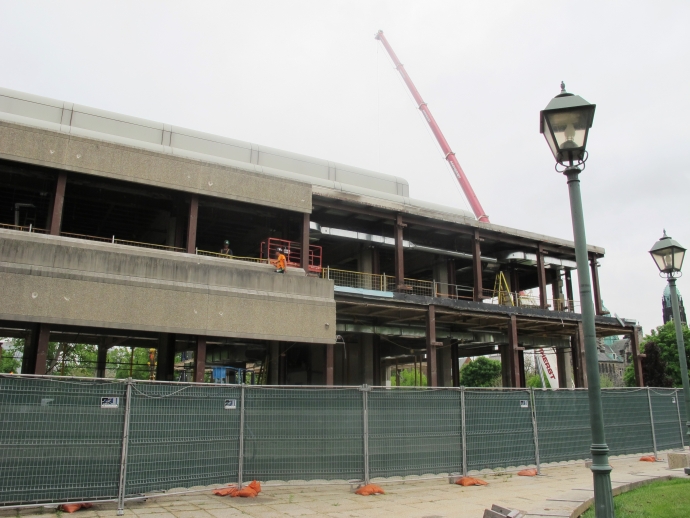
562, 491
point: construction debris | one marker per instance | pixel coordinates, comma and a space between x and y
497, 511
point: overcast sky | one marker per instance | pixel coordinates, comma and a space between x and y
309, 77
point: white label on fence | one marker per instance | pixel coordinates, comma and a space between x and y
46, 401
673, 400
230, 404
524, 403
110, 402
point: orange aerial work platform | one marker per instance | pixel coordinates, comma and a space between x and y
293, 253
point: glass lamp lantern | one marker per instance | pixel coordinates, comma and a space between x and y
668, 255
565, 123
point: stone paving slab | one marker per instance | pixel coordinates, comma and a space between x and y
562, 490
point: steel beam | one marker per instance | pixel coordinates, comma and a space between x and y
513, 349
598, 308
304, 257
636, 356
560, 366
329, 364
192, 223
431, 345
399, 259
200, 359
58, 204
541, 277
455, 363
569, 290
477, 267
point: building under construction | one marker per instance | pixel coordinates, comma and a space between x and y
111, 230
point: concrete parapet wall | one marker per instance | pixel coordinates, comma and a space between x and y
60, 280
100, 158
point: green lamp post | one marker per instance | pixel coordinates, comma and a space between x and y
565, 124
668, 256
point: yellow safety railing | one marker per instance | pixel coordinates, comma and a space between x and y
234, 257
115, 241
24, 228
359, 280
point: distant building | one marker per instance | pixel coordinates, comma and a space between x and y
666, 306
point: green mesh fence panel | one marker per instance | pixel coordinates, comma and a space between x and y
414, 432
307, 434
182, 436
499, 429
627, 422
563, 425
666, 424
57, 442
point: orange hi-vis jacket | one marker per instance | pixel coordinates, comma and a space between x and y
280, 262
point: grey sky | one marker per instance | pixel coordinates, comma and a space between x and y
309, 77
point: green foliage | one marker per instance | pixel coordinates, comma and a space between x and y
665, 499
665, 338
534, 382
407, 378
68, 359
481, 372
629, 376
119, 359
11, 351
605, 381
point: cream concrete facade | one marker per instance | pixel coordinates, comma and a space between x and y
59, 280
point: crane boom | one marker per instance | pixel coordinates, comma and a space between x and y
448, 153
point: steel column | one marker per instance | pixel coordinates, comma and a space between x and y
58, 204
42, 341
513, 349
541, 277
399, 258
431, 345
560, 366
598, 308
569, 290
304, 254
192, 223
200, 359
455, 363
521, 359
329, 364
165, 368
636, 356
477, 267
102, 357
282, 365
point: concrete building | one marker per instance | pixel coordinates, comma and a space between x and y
111, 228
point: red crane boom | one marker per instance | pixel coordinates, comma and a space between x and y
449, 155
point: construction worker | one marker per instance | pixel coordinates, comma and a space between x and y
280, 263
226, 250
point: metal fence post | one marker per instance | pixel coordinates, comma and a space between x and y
651, 419
240, 457
125, 446
365, 429
680, 421
464, 433
534, 428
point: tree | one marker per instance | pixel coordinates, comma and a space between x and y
481, 372
119, 359
407, 378
660, 367
11, 350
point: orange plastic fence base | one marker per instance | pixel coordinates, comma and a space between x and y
471, 481
528, 473
648, 458
73, 508
370, 489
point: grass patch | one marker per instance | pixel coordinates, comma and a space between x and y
664, 499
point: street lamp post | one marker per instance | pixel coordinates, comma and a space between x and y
668, 256
565, 123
